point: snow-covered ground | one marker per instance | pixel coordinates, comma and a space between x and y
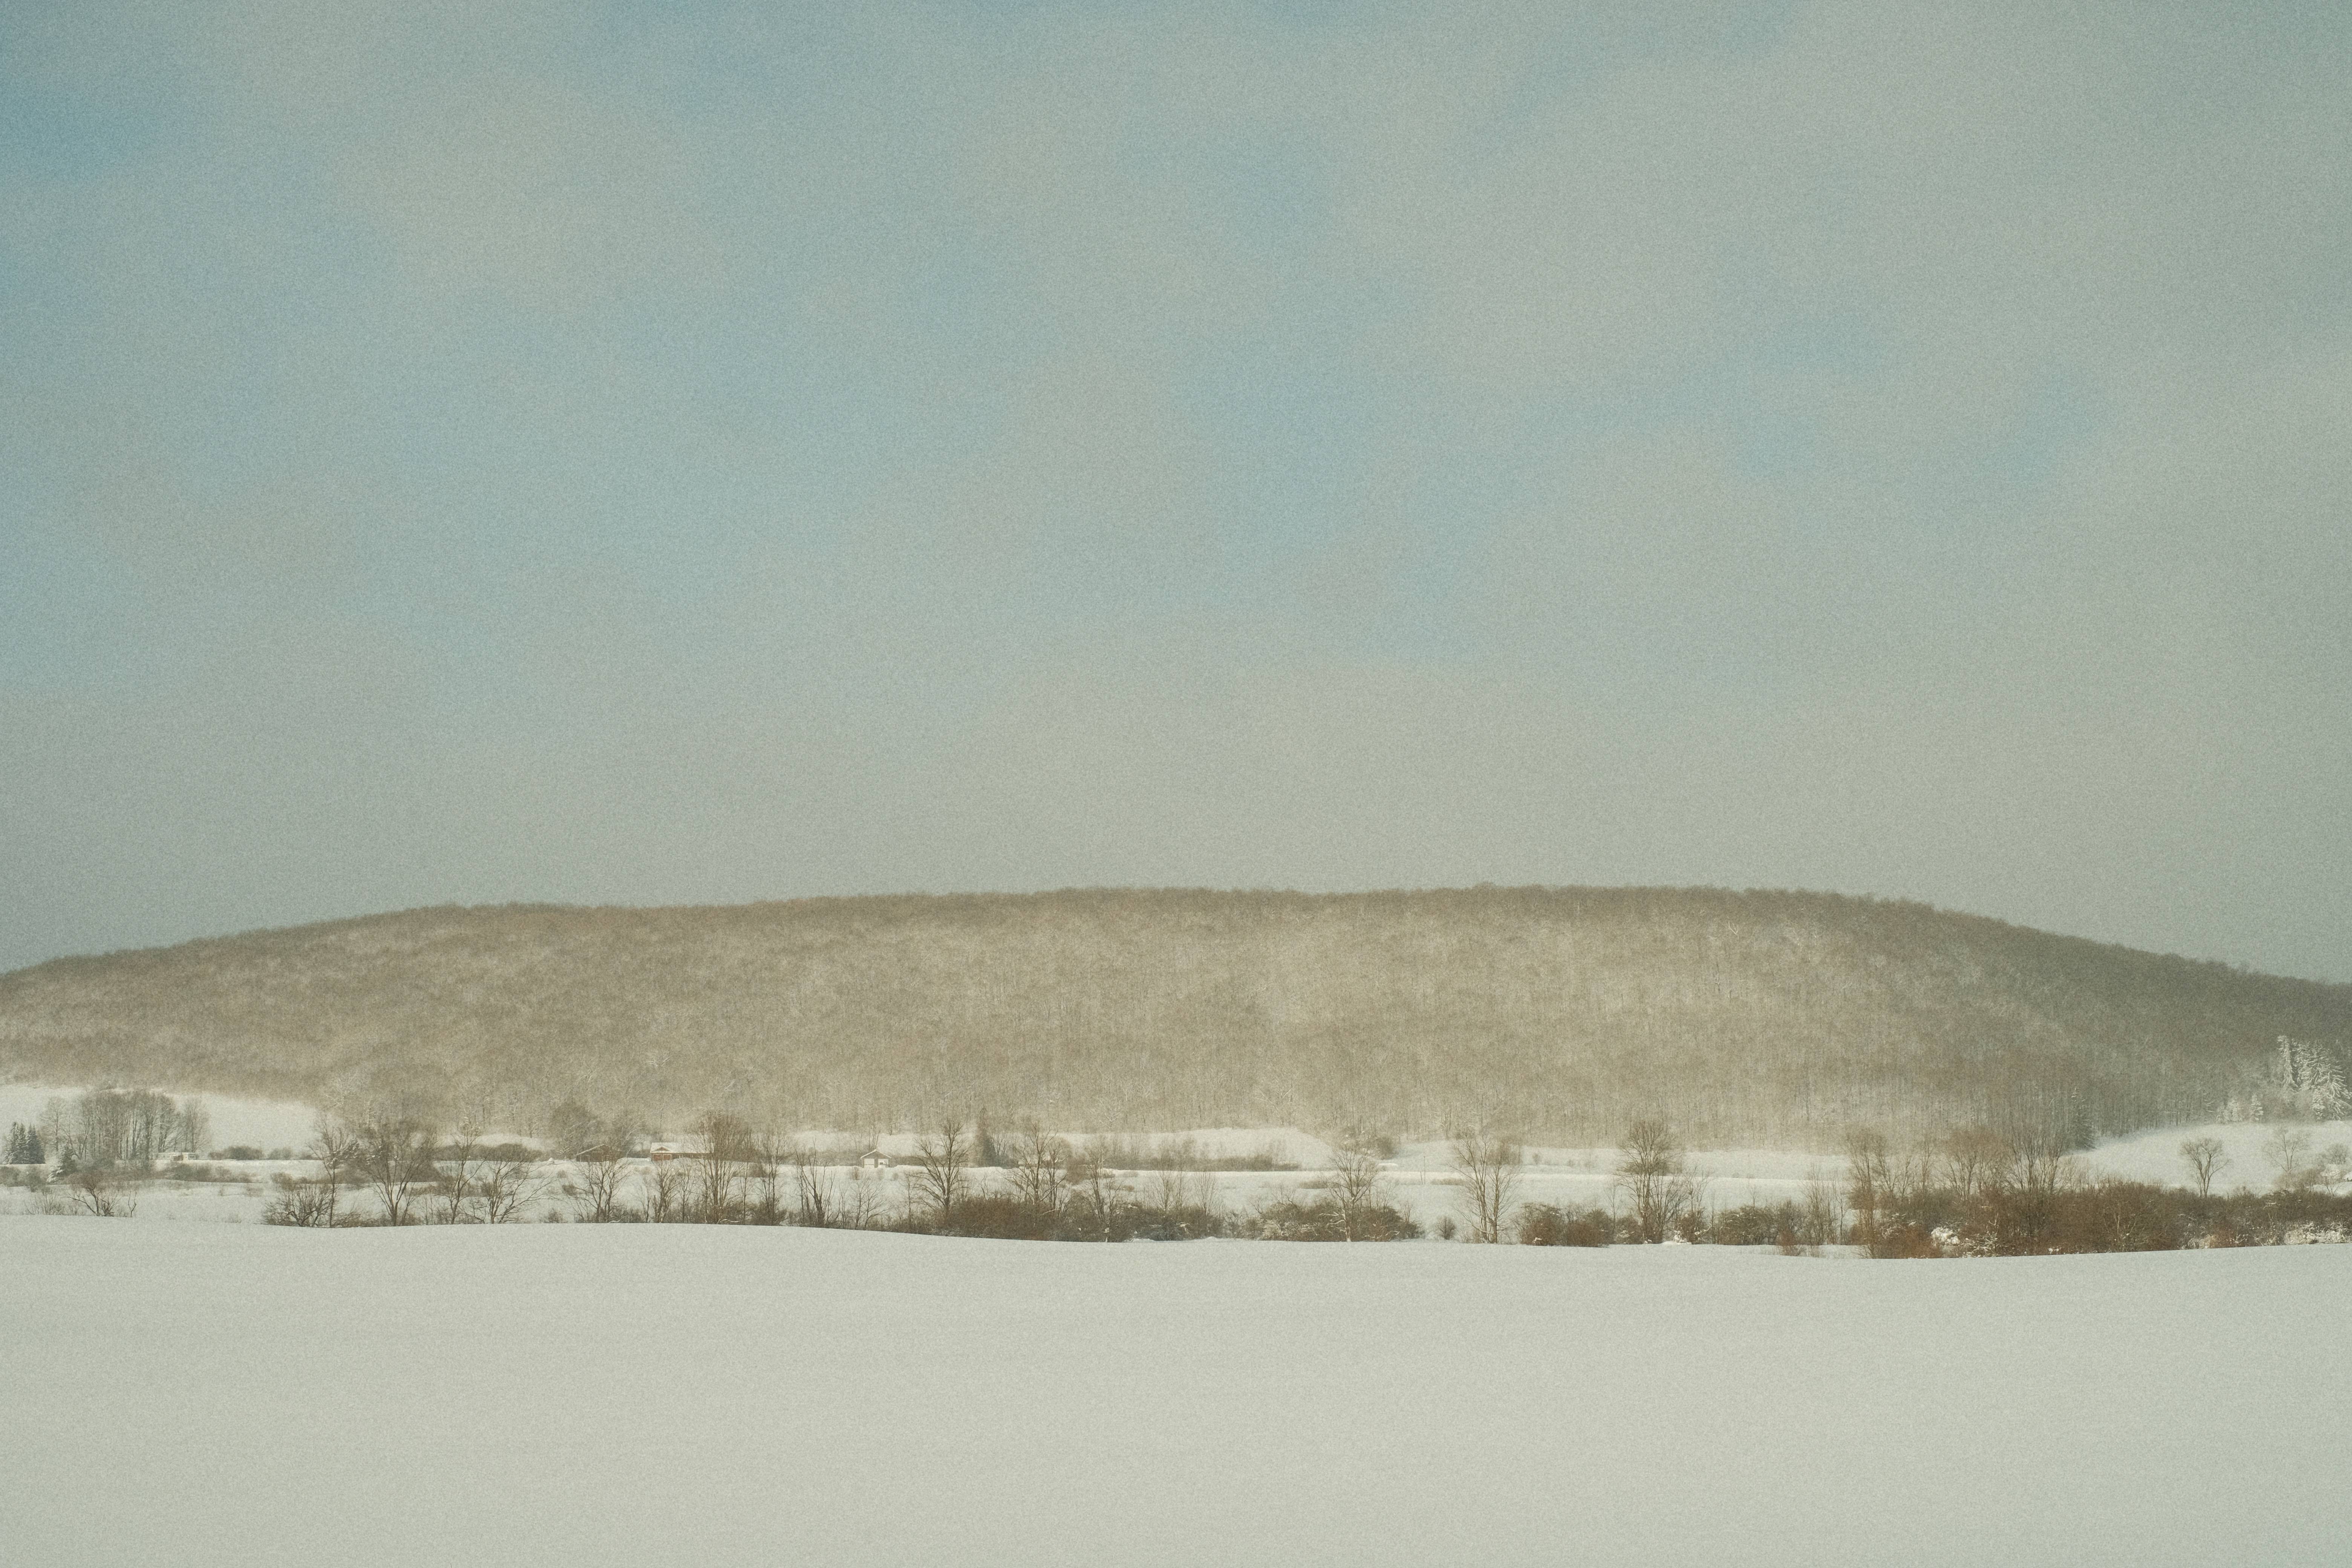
580, 1395
2155, 1156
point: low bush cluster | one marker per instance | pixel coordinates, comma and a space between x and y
1553, 1225
1970, 1193
2098, 1216
1006, 1216
1329, 1219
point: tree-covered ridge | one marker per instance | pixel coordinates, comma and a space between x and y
1742, 1016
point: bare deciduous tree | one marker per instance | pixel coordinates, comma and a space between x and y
941, 1181
1489, 1165
770, 1153
301, 1201
335, 1146
1823, 1219
2206, 1158
599, 1168
860, 1203
456, 1163
392, 1153
102, 1191
508, 1186
1657, 1187
2289, 1153
1095, 1197
1174, 1189
817, 1191
1359, 1181
193, 1130
2043, 1166
1973, 1157
1868, 1176
663, 1186
728, 1147
1039, 1161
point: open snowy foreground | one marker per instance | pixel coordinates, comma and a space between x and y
578, 1394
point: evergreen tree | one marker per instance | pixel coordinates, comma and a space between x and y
24, 1145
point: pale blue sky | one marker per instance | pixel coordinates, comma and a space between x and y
687, 453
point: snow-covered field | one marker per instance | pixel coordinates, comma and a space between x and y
2155, 1156
249, 1397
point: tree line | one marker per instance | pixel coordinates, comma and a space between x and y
1968, 1192
107, 1128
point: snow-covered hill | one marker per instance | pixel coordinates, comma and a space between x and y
1746, 1018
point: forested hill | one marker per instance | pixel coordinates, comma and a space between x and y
1743, 1016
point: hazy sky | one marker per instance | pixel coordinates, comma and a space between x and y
672, 453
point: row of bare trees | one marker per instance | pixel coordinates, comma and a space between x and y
1969, 1189
1043, 1185
106, 1129
2297, 1163
414, 1171
1653, 1181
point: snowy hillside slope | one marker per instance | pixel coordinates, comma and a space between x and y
233, 1396
1757, 1018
